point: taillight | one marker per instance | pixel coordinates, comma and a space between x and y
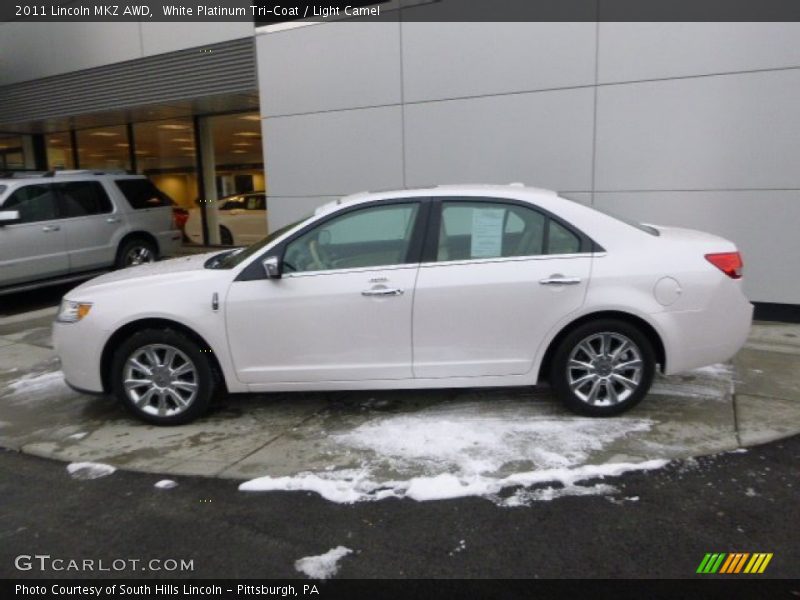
729, 263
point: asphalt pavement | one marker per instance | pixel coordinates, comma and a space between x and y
660, 524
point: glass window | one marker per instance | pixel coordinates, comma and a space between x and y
141, 193
232, 203
473, 230
59, 151
257, 202
105, 148
34, 203
561, 240
12, 153
370, 237
82, 198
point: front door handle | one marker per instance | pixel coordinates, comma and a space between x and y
49, 228
383, 292
112, 220
558, 280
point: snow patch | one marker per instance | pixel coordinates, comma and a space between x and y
78, 436
718, 371
89, 470
38, 386
322, 566
349, 486
166, 484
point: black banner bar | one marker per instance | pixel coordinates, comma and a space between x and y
270, 12
708, 588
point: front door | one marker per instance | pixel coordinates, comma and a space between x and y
33, 248
504, 274
342, 310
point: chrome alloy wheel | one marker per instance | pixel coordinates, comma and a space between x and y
139, 255
604, 369
160, 380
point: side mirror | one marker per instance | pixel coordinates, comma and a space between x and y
8, 216
272, 267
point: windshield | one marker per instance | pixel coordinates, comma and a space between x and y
231, 258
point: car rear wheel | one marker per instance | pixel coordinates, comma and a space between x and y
163, 377
603, 368
136, 251
225, 236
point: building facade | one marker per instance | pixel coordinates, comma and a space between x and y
687, 124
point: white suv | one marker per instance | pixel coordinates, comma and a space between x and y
64, 226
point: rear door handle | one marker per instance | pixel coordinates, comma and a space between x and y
112, 220
560, 281
49, 228
383, 292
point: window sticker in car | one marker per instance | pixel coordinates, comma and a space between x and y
487, 232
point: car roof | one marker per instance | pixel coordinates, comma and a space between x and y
478, 191
20, 178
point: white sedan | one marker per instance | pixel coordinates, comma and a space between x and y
242, 220
452, 286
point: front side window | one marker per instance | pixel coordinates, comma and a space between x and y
474, 230
83, 198
369, 237
34, 203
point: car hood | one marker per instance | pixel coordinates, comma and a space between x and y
173, 268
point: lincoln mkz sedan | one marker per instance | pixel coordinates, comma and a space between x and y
452, 286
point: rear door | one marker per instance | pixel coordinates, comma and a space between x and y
35, 247
497, 277
90, 223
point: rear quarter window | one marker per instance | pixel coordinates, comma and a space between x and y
141, 193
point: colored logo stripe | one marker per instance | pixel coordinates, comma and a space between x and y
721, 562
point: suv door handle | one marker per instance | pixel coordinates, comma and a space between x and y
49, 228
383, 292
558, 280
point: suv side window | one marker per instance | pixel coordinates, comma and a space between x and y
141, 193
83, 198
34, 203
474, 230
369, 237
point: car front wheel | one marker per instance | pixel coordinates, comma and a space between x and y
162, 377
603, 368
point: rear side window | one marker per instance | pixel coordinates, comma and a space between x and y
256, 203
83, 198
489, 230
34, 203
141, 193
561, 240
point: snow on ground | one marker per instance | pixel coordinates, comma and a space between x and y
450, 452
89, 470
166, 484
38, 386
323, 566
78, 436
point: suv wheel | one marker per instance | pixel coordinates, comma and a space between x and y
162, 377
136, 251
603, 368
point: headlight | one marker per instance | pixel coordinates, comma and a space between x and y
72, 312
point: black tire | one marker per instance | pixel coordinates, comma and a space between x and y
605, 390
144, 249
225, 236
174, 413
